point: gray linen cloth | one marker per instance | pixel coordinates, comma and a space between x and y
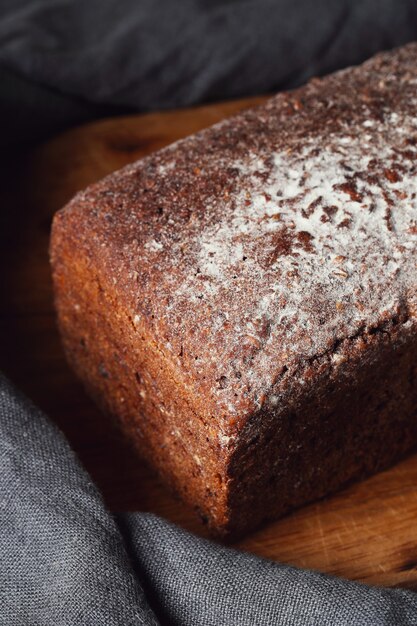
65, 560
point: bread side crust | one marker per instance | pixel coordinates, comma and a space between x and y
128, 376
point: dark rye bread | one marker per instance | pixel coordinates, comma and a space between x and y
245, 300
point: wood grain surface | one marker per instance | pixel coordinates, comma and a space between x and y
367, 532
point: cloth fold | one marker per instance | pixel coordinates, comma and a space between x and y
159, 53
76, 60
65, 560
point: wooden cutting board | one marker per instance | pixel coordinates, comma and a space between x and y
367, 532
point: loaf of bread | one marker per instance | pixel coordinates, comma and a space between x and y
244, 301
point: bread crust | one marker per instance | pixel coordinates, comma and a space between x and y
245, 300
